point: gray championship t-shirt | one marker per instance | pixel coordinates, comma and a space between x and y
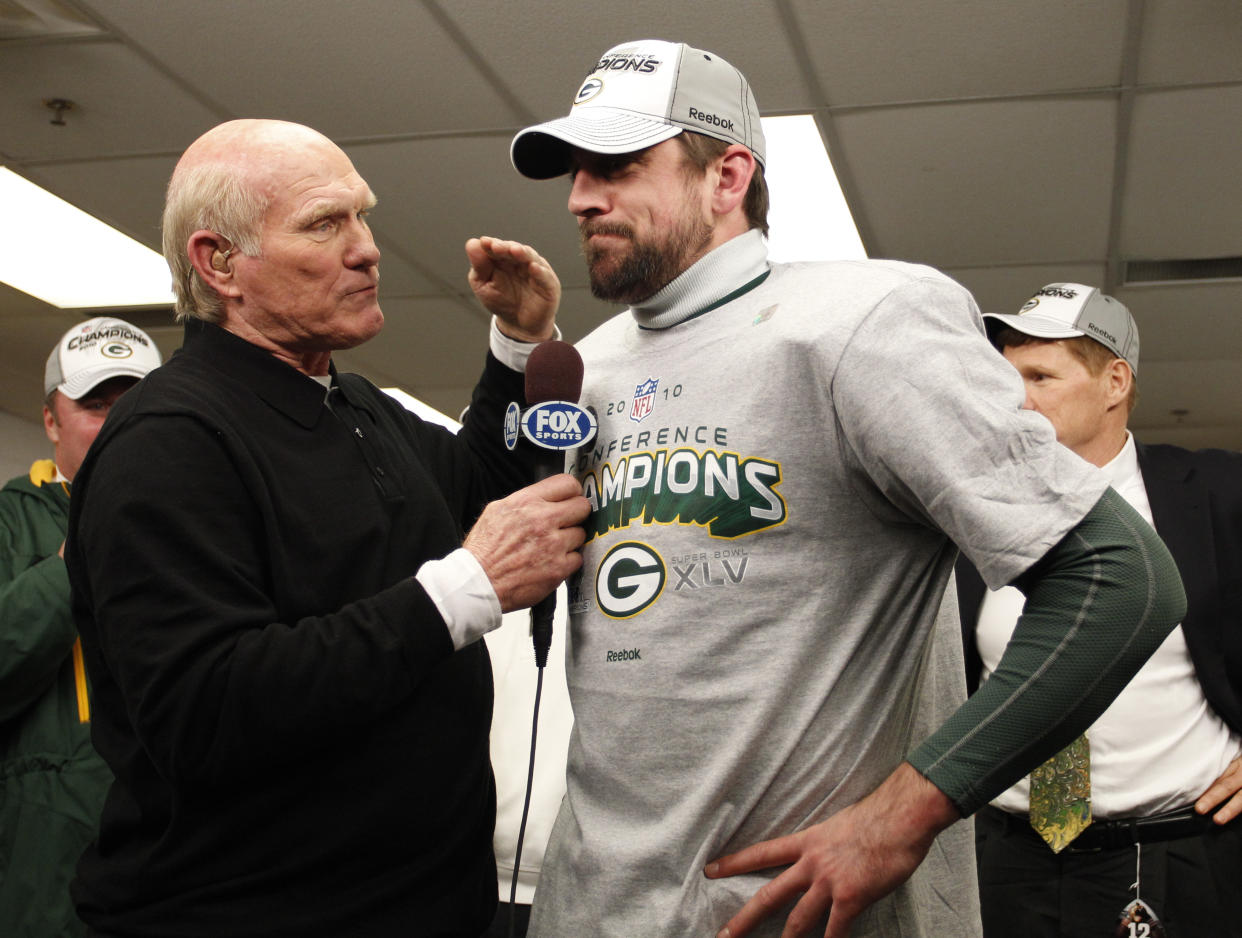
776, 488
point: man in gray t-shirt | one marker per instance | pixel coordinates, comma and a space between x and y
763, 667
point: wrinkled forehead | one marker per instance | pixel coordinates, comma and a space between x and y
280, 170
312, 182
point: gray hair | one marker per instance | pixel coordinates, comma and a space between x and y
215, 196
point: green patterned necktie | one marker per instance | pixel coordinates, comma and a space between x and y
1061, 795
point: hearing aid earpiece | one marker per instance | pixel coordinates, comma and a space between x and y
220, 259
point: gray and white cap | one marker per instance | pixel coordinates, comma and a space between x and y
1068, 310
93, 351
640, 94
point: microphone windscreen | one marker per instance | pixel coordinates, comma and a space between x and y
553, 373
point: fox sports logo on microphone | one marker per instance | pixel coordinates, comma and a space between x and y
513, 417
558, 425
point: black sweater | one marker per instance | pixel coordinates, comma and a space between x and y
298, 749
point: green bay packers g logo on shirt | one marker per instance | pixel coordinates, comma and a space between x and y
629, 579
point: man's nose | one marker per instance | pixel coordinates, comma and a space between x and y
588, 195
363, 252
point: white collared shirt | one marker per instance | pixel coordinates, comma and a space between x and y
1159, 745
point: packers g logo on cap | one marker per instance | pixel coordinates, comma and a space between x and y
590, 88
116, 350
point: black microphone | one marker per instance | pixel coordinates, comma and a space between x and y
553, 373
553, 377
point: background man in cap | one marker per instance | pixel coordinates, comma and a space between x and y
1166, 752
52, 783
285, 648
786, 456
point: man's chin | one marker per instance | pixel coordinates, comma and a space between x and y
366, 327
628, 293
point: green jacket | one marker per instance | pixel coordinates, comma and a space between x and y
52, 784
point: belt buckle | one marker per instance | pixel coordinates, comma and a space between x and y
1105, 835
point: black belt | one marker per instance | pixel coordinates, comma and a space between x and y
1115, 833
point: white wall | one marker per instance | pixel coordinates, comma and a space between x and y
22, 441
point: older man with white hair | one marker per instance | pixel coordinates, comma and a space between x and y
292, 693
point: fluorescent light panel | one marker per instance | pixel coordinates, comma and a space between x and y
71, 259
808, 217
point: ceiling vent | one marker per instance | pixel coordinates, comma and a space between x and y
1182, 271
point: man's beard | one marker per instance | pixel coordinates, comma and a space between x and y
646, 267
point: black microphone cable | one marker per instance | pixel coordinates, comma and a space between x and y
530, 782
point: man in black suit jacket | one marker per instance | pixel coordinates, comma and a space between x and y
1166, 775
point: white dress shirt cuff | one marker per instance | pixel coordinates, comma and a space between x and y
463, 594
511, 352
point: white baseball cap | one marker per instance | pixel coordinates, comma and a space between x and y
640, 94
94, 351
1068, 310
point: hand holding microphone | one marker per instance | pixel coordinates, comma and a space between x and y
527, 543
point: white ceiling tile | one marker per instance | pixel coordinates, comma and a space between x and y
1186, 322
1191, 41
369, 67
892, 50
1183, 189
982, 183
121, 103
1210, 391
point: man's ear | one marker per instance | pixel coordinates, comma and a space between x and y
51, 426
1120, 378
737, 166
211, 256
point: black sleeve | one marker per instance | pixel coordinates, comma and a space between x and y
1097, 606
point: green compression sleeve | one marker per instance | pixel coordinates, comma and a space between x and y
1098, 604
